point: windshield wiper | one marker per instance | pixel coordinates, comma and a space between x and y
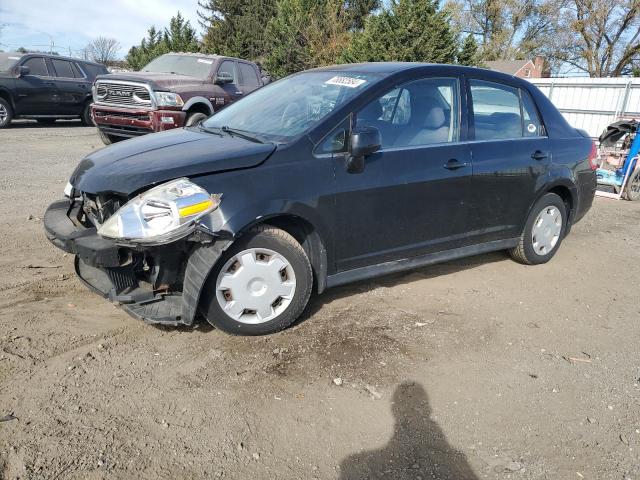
241, 133
209, 130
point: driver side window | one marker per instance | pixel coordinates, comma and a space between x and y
422, 112
228, 66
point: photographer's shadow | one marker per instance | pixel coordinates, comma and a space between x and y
418, 448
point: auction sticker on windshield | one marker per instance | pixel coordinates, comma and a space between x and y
345, 81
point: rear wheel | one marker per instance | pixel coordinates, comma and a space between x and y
6, 113
86, 117
543, 231
194, 118
632, 190
260, 285
108, 139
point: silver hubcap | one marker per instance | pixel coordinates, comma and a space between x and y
255, 285
3, 113
546, 230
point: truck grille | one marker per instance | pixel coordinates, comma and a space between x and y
123, 94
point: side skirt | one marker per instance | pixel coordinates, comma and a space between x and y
372, 271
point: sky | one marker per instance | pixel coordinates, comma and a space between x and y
71, 24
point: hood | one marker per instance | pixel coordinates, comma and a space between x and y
157, 81
126, 167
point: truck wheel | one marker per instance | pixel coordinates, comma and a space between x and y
260, 285
632, 190
543, 231
86, 117
194, 118
108, 139
6, 113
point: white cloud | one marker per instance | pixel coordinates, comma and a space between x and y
72, 23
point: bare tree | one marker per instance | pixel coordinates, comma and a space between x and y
599, 37
102, 50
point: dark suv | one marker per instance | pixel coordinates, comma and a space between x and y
46, 87
325, 177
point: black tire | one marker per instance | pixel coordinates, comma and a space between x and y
632, 190
194, 118
46, 121
6, 113
525, 252
86, 117
108, 139
274, 239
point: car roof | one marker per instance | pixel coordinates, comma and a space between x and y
388, 68
53, 55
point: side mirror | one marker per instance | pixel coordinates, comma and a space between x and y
364, 142
22, 70
223, 78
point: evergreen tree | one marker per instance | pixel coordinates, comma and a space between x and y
306, 34
179, 37
469, 54
409, 30
236, 27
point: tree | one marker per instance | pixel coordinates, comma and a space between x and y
599, 37
408, 30
236, 27
180, 36
103, 50
507, 29
469, 52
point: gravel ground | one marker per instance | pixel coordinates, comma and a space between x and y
480, 368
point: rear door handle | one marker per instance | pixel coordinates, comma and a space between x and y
539, 155
454, 164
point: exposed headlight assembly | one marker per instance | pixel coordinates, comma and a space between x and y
160, 215
168, 99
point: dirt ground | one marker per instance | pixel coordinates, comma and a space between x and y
480, 368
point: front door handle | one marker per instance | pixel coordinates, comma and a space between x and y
454, 164
539, 155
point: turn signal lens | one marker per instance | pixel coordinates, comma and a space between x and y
593, 156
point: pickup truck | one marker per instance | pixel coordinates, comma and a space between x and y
173, 90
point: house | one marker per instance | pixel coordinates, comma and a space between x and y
518, 68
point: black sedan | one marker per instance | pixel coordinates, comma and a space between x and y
326, 177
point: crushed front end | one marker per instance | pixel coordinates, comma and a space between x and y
159, 282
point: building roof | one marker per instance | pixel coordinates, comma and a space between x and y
510, 67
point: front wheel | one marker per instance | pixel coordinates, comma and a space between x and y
194, 118
108, 139
543, 231
260, 285
6, 113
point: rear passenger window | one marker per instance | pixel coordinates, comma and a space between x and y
496, 111
248, 74
37, 66
423, 112
63, 68
532, 124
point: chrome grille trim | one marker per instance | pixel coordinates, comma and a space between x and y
118, 93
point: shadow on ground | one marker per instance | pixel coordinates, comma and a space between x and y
22, 124
418, 448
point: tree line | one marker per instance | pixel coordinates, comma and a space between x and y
597, 37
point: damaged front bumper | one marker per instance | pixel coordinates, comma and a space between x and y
154, 284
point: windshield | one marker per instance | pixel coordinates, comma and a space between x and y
8, 61
285, 109
198, 67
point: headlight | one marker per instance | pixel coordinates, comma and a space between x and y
160, 215
168, 99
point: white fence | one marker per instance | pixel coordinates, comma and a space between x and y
593, 103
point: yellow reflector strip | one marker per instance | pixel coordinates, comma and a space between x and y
196, 208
